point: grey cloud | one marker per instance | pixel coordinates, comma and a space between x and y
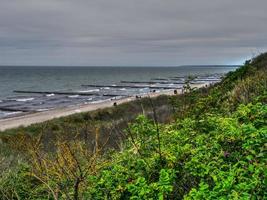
134, 32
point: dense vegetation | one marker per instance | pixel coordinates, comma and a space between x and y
213, 147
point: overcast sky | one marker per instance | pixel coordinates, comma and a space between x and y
131, 32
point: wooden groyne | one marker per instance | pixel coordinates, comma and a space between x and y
67, 93
13, 109
131, 86
177, 77
207, 79
153, 82
159, 79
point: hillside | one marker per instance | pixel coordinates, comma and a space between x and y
212, 145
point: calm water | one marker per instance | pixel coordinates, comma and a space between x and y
71, 79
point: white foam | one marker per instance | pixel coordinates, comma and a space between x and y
143, 89
50, 95
85, 91
123, 89
11, 113
25, 99
42, 109
73, 96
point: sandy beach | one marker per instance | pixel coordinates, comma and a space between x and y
33, 118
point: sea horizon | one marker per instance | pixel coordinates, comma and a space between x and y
171, 66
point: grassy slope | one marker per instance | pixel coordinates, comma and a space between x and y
214, 149
84, 125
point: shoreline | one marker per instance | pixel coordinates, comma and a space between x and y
39, 117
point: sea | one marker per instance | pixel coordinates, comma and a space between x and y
26, 89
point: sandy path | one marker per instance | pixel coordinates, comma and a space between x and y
28, 119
